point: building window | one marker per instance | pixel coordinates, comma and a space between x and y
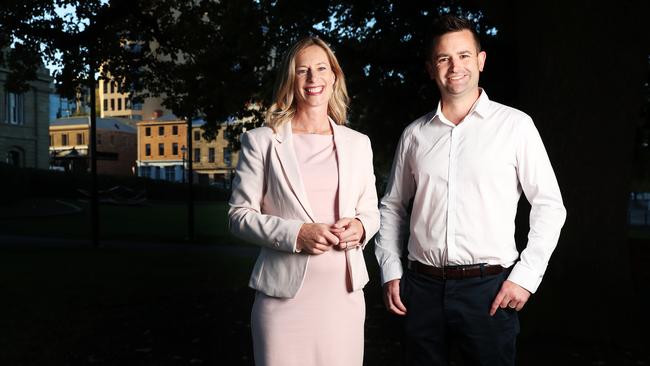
170, 173
112, 87
119, 104
127, 103
13, 158
211, 155
174, 130
197, 135
197, 155
64, 139
147, 131
145, 171
147, 149
157, 173
161, 149
112, 103
105, 87
174, 149
80, 139
14, 108
105, 104
227, 156
161, 130
51, 140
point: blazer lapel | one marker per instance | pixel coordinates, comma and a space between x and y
287, 156
340, 141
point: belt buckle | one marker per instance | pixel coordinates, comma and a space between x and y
462, 272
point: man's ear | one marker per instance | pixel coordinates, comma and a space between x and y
481, 60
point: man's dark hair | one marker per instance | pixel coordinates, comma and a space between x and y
448, 24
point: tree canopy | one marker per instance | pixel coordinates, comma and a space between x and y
213, 59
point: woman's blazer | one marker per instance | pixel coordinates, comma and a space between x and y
269, 204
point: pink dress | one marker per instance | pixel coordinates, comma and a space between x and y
323, 324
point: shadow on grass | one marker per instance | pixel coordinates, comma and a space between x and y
154, 221
77, 306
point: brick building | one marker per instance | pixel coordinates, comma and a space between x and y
113, 102
163, 152
116, 145
161, 149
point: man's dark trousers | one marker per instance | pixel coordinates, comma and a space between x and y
442, 312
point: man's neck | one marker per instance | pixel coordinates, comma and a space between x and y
455, 109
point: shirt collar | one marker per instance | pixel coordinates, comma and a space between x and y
481, 107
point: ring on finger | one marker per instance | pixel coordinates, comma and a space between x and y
512, 305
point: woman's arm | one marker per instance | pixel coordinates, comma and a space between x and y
246, 220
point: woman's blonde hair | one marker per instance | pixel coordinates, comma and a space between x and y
284, 104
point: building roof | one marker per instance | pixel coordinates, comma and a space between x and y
170, 118
112, 124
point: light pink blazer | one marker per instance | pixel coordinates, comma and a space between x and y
269, 204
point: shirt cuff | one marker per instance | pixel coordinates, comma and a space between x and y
391, 271
525, 277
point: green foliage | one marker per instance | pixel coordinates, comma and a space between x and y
215, 59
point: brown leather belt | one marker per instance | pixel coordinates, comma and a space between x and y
455, 272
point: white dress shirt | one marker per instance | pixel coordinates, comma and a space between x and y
464, 182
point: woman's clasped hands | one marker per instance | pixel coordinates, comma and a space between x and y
317, 238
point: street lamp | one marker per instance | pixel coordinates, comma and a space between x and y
183, 151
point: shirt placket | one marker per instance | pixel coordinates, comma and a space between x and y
451, 195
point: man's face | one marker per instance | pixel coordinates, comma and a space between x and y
455, 64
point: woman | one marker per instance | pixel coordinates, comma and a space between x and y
305, 192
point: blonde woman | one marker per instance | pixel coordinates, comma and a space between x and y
305, 192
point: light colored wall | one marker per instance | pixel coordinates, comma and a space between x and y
30, 138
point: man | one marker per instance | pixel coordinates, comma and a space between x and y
457, 176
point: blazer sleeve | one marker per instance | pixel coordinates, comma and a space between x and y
367, 210
246, 219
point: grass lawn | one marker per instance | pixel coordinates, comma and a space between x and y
116, 307
156, 221
176, 305
76, 306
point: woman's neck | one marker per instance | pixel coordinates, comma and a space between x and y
311, 121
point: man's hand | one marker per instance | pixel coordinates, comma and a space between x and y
391, 298
315, 238
510, 295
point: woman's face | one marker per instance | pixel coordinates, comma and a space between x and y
314, 81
